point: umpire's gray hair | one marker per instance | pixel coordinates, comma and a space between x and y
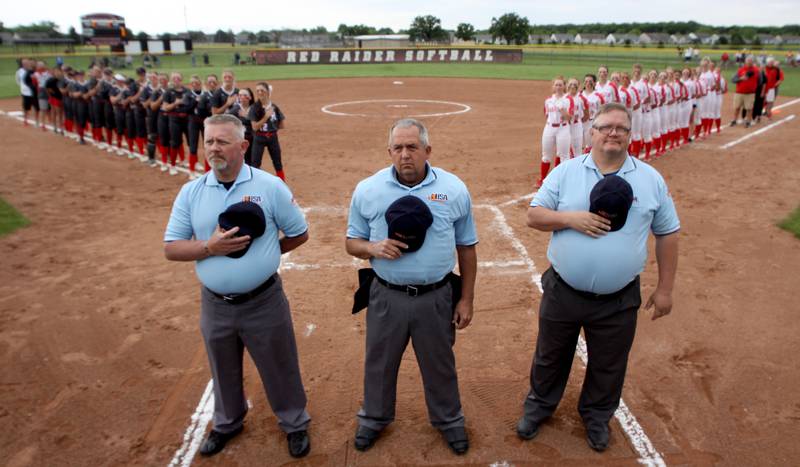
226, 119
408, 123
613, 107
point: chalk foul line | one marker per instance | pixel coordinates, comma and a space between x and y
758, 132
197, 427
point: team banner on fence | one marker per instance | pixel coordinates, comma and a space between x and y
444, 55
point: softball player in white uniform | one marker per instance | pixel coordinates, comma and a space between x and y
700, 93
579, 117
636, 114
595, 100
709, 79
640, 84
657, 100
606, 87
688, 104
556, 135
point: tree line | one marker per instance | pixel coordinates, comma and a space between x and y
511, 27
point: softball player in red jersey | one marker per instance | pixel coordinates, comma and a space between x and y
556, 135
595, 100
579, 116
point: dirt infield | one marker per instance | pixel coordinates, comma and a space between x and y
103, 361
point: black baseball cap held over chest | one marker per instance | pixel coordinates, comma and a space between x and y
612, 198
408, 219
249, 217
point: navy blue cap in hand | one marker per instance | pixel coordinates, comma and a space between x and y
612, 198
249, 217
408, 219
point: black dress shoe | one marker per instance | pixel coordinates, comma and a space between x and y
597, 436
527, 429
299, 443
365, 438
456, 438
216, 441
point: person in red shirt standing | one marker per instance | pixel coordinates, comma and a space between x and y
746, 80
774, 79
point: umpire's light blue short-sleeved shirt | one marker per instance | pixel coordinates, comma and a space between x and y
606, 264
451, 206
197, 208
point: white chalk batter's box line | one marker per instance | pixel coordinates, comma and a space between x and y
503, 266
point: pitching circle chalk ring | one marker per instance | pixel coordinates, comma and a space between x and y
462, 108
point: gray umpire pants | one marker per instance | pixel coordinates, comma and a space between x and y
609, 325
394, 317
263, 325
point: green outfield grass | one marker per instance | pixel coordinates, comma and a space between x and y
539, 63
10, 219
792, 223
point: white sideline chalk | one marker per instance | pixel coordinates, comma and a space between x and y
197, 428
755, 133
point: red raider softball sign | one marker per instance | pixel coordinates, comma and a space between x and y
348, 56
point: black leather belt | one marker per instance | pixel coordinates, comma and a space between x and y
592, 295
239, 298
414, 290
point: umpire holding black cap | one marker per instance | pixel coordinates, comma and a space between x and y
409, 219
600, 207
229, 221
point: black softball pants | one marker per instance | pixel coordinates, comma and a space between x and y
178, 129
272, 145
195, 130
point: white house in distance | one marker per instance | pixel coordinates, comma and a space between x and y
620, 39
561, 38
488, 39
538, 38
653, 38
588, 38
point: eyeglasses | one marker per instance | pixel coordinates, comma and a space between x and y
608, 129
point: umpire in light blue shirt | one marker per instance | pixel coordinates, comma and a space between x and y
411, 296
597, 253
242, 300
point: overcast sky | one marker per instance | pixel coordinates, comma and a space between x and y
155, 17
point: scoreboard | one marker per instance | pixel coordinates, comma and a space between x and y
104, 29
